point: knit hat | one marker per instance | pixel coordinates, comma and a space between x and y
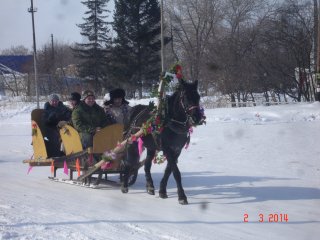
87, 93
52, 97
75, 96
116, 93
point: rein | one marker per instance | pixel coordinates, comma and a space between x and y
134, 122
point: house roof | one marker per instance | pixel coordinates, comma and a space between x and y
19, 64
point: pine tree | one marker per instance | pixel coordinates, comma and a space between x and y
95, 51
137, 44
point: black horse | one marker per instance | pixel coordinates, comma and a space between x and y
182, 111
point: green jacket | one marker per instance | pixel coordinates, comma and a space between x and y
86, 119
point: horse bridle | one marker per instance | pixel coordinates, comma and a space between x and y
187, 111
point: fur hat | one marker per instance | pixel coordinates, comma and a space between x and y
87, 93
116, 93
53, 96
75, 96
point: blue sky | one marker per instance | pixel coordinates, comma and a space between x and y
57, 17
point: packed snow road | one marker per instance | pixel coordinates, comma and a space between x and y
250, 173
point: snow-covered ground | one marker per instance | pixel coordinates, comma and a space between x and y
245, 164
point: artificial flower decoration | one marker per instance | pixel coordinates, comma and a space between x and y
108, 157
178, 71
34, 129
133, 138
159, 158
175, 72
152, 125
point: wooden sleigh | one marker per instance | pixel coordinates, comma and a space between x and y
76, 158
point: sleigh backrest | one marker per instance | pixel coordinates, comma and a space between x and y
38, 144
104, 140
107, 138
36, 115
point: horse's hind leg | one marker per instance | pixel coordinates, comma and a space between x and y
164, 181
97, 182
130, 162
147, 168
125, 178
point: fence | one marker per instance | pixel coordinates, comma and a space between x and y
226, 104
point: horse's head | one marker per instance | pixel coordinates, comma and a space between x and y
190, 100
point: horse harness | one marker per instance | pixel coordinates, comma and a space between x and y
182, 128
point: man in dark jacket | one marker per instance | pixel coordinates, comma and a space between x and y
54, 112
88, 118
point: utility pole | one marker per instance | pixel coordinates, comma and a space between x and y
52, 49
315, 39
162, 39
317, 47
32, 10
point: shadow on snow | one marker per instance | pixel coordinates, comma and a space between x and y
228, 187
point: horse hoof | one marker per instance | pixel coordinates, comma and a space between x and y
163, 195
150, 191
183, 201
124, 190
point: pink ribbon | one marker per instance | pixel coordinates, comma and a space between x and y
90, 159
29, 170
65, 168
140, 146
106, 166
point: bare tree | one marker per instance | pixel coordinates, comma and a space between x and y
16, 50
54, 61
13, 82
191, 23
287, 49
232, 54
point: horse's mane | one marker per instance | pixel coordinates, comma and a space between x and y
171, 100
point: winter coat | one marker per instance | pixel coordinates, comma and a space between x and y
53, 115
86, 119
50, 118
118, 114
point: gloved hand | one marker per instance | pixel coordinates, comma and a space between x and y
61, 124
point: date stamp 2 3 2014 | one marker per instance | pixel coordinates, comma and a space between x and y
271, 217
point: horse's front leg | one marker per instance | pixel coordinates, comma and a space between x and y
147, 168
177, 176
173, 167
164, 181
